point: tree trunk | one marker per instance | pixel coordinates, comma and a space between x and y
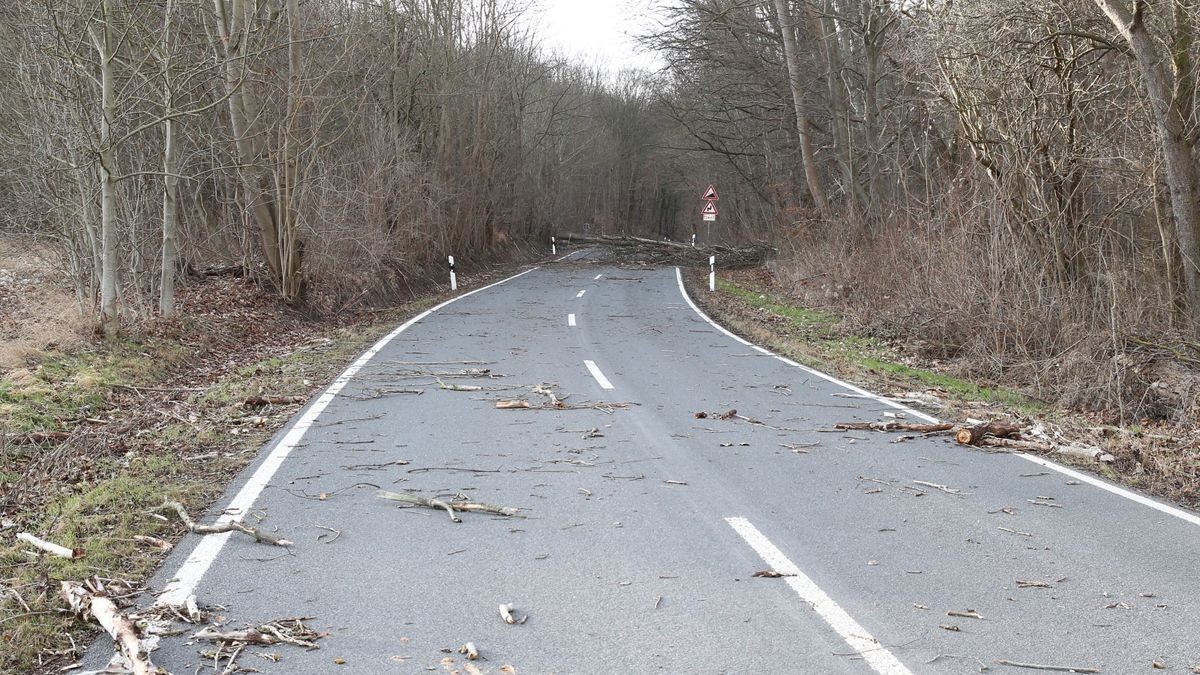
102, 39
1169, 115
791, 56
249, 134
170, 235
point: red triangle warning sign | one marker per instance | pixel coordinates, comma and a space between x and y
710, 208
711, 194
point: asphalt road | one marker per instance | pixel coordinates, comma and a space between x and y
635, 549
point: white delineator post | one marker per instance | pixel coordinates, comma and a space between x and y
453, 276
553, 247
712, 272
693, 240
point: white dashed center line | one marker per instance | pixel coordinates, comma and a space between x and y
875, 654
570, 319
580, 293
595, 371
597, 276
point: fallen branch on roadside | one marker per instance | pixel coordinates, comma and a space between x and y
286, 631
938, 486
90, 599
448, 507
50, 547
458, 387
261, 400
34, 438
219, 528
1038, 666
470, 650
640, 249
893, 426
506, 613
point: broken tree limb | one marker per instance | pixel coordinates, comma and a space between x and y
512, 404
417, 500
974, 434
470, 650
449, 507
83, 602
506, 613
645, 250
892, 426
290, 630
1014, 444
219, 528
1038, 666
34, 438
50, 547
458, 387
938, 486
261, 400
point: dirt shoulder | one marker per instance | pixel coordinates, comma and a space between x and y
94, 437
1157, 457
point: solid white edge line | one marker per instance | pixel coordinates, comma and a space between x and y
1186, 516
595, 371
857, 637
201, 558
1116, 490
580, 293
570, 319
812, 371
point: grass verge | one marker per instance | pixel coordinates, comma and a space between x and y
136, 421
1155, 457
815, 337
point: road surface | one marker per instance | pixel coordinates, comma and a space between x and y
637, 542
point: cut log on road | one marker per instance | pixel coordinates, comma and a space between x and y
654, 251
974, 434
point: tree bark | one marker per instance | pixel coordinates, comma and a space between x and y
787, 27
1170, 116
102, 39
170, 234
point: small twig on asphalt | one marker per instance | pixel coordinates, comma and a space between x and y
506, 613
470, 650
944, 488
1039, 666
336, 533
231, 526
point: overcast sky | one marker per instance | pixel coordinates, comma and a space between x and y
599, 32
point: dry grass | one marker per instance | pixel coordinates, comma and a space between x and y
987, 310
37, 307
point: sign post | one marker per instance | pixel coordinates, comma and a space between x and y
709, 212
453, 276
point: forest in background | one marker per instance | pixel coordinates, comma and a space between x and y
1009, 184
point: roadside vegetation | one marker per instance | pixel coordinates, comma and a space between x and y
96, 437
1154, 454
